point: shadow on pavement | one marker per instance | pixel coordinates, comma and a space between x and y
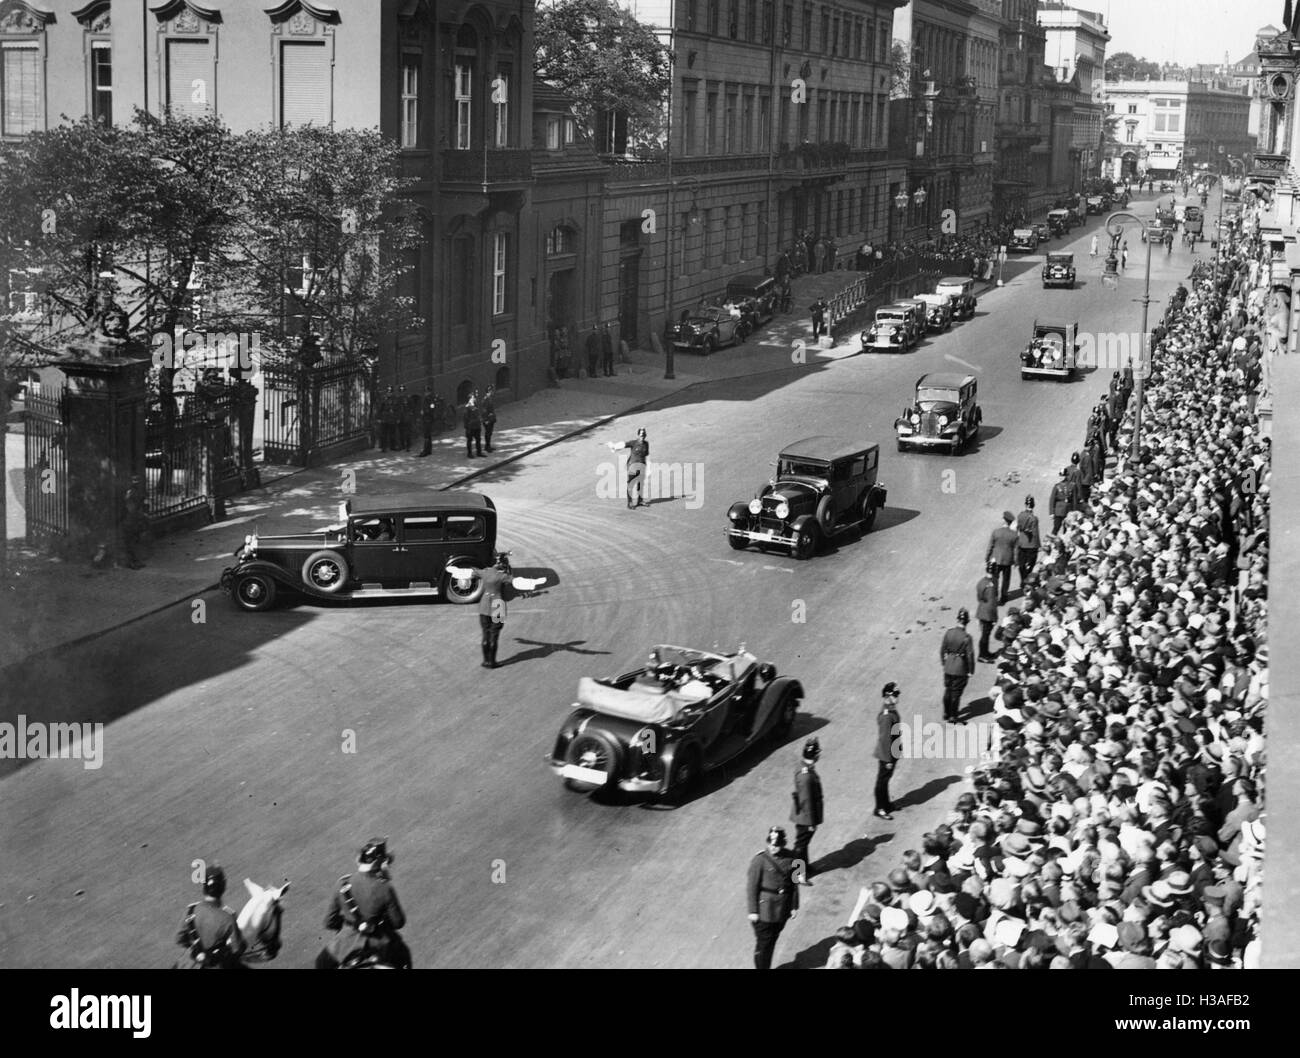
928, 792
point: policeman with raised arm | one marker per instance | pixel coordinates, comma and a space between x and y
498, 583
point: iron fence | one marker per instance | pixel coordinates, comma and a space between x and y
177, 476
306, 412
45, 467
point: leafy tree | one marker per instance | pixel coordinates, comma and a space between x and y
1124, 66
606, 61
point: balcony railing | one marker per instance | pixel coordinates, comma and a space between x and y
818, 158
497, 166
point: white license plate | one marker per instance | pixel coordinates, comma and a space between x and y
581, 774
764, 534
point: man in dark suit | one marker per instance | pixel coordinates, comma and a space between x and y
1002, 553
209, 933
607, 351
818, 311
772, 895
957, 655
806, 815
986, 610
1027, 540
365, 913
593, 352
886, 755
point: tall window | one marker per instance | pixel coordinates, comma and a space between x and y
462, 267
501, 109
500, 248
189, 77
826, 28
20, 86
713, 16
688, 122
711, 123
729, 131
464, 99
787, 24
764, 121
747, 123
304, 84
807, 40
101, 81
410, 99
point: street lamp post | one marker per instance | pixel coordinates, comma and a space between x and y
1110, 280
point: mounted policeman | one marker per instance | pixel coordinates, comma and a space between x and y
366, 915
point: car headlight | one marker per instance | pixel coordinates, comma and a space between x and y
943, 421
755, 506
783, 510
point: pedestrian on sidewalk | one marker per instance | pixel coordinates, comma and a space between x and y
806, 814
473, 422
428, 415
488, 413
388, 421
1092, 250
818, 310
639, 449
957, 655
886, 749
1028, 541
607, 351
819, 256
1002, 554
403, 419
1123, 255
773, 897
134, 521
593, 352
986, 609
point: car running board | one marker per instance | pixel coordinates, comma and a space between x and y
377, 591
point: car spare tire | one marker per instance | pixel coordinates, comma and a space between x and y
325, 571
596, 750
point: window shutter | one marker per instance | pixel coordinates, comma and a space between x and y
304, 84
189, 61
22, 89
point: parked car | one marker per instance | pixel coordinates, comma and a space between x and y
707, 328
938, 314
656, 729
1052, 351
962, 291
823, 486
1193, 219
1023, 240
1094, 205
756, 295
1058, 270
1167, 185
384, 547
1043, 230
890, 329
1078, 210
1060, 221
919, 312
944, 413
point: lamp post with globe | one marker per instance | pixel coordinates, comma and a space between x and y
1110, 280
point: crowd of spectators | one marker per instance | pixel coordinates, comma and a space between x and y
1118, 818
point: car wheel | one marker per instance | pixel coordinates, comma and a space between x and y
959, 445
254, 592
738, 543
709, 345
868, 514
325, 571
1024, 376
742, 332
826, 515
787, 709
805, 545
687, 771
452, 592
596, 750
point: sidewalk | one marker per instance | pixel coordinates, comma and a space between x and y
50, 604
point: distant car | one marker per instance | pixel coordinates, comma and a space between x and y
1167, 185
1193, 219
1043, 230
756, 295
823, 486
918, 312
656, 729
890, 329
945, 413
1095, 204
1023, 240
938, 315
384, 547
1060, 221
1058, 270
1052, 352
709, 328
962, 291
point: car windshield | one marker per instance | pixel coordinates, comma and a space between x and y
1022, 233
929, 395
889, 317
803, 468
1051, 338
1060, 258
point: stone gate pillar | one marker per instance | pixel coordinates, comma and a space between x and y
105, 425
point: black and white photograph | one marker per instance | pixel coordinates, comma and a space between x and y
648, 485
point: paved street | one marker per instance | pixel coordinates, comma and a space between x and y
224, 737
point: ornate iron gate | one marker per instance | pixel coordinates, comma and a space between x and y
308, 412
45, 452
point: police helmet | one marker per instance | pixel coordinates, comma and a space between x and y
776, 836
1029, 501
963, 616
1074, 458
375, 851
812, 749
214, 881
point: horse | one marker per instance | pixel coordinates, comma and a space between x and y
259, 921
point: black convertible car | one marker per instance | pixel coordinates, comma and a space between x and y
656, 729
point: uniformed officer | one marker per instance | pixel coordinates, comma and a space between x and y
957, 654
607, 351
388, 421
1028, 540
806, 815
134, 521
497, 583
886, 748
1002, 553
209, 933
593, 352
639, 454
403, 419
1074, 477
488, 413
1060, 502
986, 609
428, 417
473, 423
366, 915
772, 895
